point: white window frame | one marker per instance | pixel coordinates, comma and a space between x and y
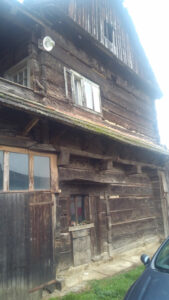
74, 75
19, 67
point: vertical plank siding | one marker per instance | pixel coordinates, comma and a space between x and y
91, 14
41, 243
13, 246
26, 248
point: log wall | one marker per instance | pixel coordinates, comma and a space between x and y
125, 209
124, 200
121, 183
123, 106
91, 15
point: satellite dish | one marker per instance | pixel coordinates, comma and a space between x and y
48, 43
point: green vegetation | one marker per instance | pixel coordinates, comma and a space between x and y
113, 288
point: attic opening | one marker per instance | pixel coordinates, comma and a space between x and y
108, 31
14, 51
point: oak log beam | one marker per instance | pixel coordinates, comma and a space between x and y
29, 126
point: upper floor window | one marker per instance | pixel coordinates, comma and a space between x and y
108, 31
84, 92
20, 73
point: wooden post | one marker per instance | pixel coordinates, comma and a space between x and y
108, 217
164, 201
64, 158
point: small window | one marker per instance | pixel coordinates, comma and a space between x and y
108, 31
1, 169
79, 209
19, 73
85, 93
41, 173
18, 171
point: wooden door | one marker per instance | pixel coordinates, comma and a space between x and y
26, 243
41, 267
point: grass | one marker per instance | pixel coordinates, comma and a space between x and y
113, 288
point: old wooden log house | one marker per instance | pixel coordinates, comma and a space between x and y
82, 172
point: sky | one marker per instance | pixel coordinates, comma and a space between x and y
151, 19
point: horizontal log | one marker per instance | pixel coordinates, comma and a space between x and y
133, 221
69, 174
129, 125
132, 116
83, 153
41, 203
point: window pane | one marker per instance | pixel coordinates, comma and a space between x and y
88, 94
80, 209
78, 91
96, 96
18, 171
1, 169
72, 212
41, 173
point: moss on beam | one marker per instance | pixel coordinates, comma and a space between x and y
40, 109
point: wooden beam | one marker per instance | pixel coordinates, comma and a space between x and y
137, 163
83, 153
6, 171
164, 201
43, 286
29, 126
139, 169
106, 164
70, 174
132, 170
64, 158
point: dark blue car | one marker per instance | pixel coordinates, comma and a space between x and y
153, 284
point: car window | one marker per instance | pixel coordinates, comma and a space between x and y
162, 260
